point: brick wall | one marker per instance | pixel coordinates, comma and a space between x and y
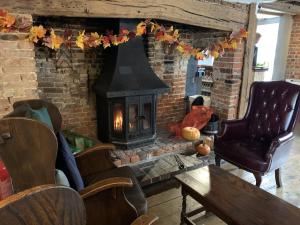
171, 67
18, 78
293, 59
65, 77
227, 74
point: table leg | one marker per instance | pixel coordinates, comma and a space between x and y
183, 210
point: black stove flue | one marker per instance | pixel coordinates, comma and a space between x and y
126, 94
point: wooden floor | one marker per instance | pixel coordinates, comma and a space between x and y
167, 205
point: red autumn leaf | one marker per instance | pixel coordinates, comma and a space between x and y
159, 35
124, 31
105, 41
131, 34
3, 13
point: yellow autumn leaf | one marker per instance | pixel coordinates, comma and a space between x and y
80, 40
233, 44
180, 48
141, 29
36, 33
56, 40
214, 54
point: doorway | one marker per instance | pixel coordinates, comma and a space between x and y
272, 47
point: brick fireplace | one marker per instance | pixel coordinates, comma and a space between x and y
66, 77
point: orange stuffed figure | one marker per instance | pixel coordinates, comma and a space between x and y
198, 118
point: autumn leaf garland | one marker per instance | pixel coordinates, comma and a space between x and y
85, 40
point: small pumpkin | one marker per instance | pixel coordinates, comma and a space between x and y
203, 149
190, 133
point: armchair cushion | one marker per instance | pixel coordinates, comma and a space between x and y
41, 115
245, 153
65, 162
134, 195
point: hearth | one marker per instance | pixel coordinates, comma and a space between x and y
126, 94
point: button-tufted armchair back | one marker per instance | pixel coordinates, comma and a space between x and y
272, 109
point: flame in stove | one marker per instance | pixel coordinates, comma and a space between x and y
118, 121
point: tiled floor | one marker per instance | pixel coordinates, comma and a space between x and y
167, 205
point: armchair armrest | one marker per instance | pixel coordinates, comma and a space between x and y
233, 129
278, 146
105, 201
105, 184
95, 159
145, 220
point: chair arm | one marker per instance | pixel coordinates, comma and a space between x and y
278, 142
95, 159
233, 129
105, 184
97, 147
106, 202
145, 220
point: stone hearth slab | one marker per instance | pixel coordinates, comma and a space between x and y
165, 167
165, 144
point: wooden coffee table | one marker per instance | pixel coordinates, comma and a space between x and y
233, 200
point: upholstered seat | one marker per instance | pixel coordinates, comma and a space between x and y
260, 142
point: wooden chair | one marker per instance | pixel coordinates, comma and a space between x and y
46, 205
28, 148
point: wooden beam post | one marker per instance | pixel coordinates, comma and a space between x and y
248, 73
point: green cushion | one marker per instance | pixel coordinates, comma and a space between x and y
41, 115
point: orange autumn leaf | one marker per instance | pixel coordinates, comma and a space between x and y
141, 29
36, 33
199, 56
7, 21
94, 40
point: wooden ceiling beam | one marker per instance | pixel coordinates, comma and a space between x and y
282, 7
218, 15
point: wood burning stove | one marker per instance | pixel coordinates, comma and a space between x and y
128, 121
126, 96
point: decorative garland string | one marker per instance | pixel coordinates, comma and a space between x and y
171, 36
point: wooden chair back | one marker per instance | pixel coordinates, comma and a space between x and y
44, 205
28, 149
20, 110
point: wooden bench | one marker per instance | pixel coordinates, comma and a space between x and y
233, 200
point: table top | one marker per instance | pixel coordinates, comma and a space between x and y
236, 201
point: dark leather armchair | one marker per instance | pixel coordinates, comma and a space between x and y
112, 195
260, 142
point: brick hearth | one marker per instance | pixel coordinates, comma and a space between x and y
164, 144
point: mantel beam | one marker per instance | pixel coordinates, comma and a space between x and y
222, 16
